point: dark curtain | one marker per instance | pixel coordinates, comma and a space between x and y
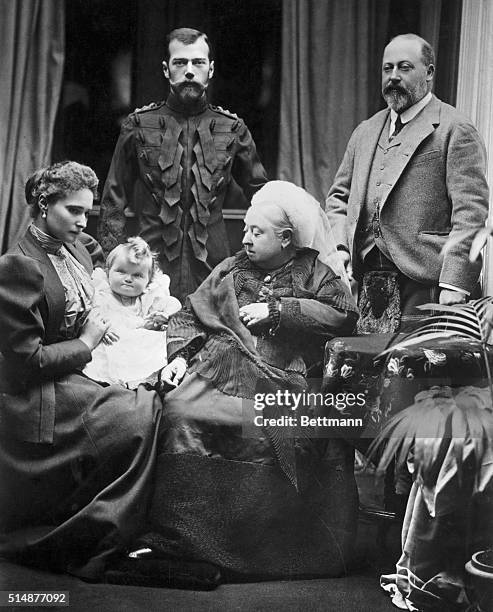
448, 45
246, 40
32, 51
331, 53
156, 18
439, 22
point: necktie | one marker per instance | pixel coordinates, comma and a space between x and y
397, 127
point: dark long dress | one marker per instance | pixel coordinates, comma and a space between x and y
257, 501
76, 458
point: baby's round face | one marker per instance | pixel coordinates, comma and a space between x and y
126, 278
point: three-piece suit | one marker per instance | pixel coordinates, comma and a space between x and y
429, 186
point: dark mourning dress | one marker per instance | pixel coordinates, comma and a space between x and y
76, 458
257, 501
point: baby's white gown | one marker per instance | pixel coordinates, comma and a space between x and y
139, 353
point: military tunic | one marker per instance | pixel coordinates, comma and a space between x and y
176, 168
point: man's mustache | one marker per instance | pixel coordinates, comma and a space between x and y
191, 84
394, 88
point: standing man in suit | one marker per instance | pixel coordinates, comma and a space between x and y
412, 177
176, 164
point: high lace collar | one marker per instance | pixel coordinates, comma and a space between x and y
48, 243
177, 105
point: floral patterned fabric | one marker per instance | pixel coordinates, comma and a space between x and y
391, 381
441, 527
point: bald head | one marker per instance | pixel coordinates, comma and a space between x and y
427, 52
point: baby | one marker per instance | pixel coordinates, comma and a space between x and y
134, 296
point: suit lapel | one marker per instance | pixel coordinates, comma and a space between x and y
417, 130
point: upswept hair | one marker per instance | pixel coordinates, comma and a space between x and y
187, 36
137, 251
58, 181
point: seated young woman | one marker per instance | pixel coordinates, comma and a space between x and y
236, 497
75, 456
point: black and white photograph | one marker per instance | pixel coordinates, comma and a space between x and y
246, 305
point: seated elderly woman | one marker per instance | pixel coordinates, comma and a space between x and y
238, 497
75, 457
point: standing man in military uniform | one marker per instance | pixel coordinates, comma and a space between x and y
176, 164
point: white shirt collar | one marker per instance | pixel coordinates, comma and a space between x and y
410, 112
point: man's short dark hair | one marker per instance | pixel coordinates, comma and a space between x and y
427, 52
187, 36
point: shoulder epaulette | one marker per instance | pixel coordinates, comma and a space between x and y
223, 111
149, 107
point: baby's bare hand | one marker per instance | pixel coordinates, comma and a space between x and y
157, 321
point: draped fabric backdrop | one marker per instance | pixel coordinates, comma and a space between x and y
330, 82
331, 66
32, 50
474, 97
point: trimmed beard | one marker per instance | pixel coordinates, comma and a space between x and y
400, 99
189, 92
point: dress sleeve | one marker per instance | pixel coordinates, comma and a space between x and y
22, 328
185, 335
326, 310
467, 190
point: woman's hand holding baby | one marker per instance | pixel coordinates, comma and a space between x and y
94, 329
